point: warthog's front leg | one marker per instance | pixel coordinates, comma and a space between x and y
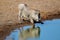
32, 21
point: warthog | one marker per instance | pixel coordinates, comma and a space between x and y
26, 13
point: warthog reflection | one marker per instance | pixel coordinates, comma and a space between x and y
30, 33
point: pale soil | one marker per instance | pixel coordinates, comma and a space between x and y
49, 9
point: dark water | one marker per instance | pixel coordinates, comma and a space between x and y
50, 30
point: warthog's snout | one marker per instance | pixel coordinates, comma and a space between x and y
39, 16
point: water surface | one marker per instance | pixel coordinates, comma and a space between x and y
50, 30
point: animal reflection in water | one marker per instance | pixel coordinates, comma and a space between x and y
30, 33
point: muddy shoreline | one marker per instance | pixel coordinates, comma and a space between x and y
6, 29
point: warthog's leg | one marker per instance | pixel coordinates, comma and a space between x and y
20, 17
31, 20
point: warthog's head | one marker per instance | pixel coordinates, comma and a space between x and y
36, 15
